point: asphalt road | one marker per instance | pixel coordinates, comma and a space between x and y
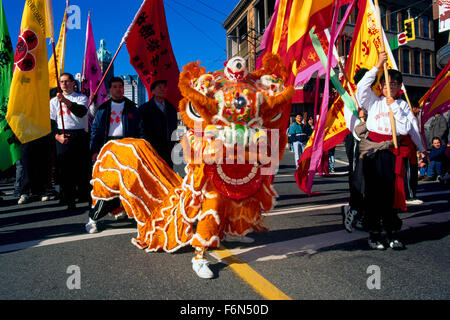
45, 253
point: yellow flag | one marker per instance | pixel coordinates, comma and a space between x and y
367, 44
28, 112
59, 49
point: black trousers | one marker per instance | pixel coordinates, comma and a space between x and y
411, 179
73, 166
379, 193
36, 165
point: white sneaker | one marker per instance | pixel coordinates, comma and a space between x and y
242, 239
414, 202
23, 199
91, 226
200, 266
376, 244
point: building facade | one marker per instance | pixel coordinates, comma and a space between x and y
416, 60
104, 58
134, 89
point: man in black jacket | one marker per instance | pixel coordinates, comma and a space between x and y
116, 118
159, 120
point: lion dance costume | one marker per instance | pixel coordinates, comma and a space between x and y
237, 135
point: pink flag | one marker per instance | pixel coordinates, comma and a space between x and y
91, 74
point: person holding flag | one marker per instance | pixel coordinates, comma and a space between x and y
68, 114
384, 171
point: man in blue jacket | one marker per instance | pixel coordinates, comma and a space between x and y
116, 118
298, 135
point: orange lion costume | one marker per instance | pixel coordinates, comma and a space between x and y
236, 138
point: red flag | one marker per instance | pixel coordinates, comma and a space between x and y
286, 35
150, 50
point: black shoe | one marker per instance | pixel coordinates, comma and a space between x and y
396, 244
375, 242
348, 216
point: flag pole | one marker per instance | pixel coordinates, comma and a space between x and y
124, 40
52, 39
83, 67
386, 74
104, 75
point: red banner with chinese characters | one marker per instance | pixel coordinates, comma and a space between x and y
150, 50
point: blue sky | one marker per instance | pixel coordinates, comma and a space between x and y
195, 28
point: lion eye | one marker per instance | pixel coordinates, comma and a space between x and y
192, 113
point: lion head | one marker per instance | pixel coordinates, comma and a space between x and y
236, 122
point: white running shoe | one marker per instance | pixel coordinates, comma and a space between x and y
200, 266
414, 202
376, 244
242, 239
91, 226
24, 198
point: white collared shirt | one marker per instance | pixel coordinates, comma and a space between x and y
378, 116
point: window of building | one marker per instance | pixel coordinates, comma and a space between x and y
396, 53
260, 24
242, 33
427, 63
383, 16
406, 61
426, 26
394, 22
270, 10
417, 63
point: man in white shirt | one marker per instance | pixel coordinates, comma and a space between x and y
384, 171
70, 129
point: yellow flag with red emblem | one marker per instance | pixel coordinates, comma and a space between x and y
366, 45
28, 107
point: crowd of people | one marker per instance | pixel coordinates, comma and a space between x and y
377, 170
65, 156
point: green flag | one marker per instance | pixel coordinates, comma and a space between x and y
9, 147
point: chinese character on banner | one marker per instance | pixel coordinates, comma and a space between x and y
150, 50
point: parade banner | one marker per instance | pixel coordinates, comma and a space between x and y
289, 32
150, 50
366, 45
28, 112
60, 49
9, 148
437, 98
91, 74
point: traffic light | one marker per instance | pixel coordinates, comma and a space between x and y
409, 29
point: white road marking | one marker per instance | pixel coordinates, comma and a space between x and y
59, 240
311, 244
290, 247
